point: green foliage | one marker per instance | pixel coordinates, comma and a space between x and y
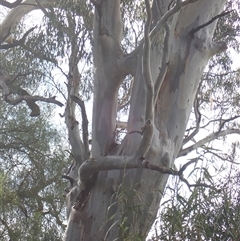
31, 190
204, 215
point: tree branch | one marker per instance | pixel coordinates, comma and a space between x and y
23, 95
198, 120
10, 5
194, 30
17, 42
91, 166
32, 98
98, 6
15, 15
158, 26
167, 15
84, 125
164, 65
224, 121
41, 7
121, 125
207, 139
149, 114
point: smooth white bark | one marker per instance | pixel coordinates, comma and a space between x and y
99, 203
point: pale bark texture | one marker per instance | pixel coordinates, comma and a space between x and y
114, 194
124, 203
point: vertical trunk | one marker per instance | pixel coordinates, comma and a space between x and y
124, 203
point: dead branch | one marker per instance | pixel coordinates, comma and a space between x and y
23, 95
30, 100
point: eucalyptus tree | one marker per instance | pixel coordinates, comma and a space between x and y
31, 191
31, 159
142, 57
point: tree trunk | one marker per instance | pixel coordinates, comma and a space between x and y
122, 204
114, 196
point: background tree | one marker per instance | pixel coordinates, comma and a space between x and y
204, 215
31, 194
165, 47
31, 157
